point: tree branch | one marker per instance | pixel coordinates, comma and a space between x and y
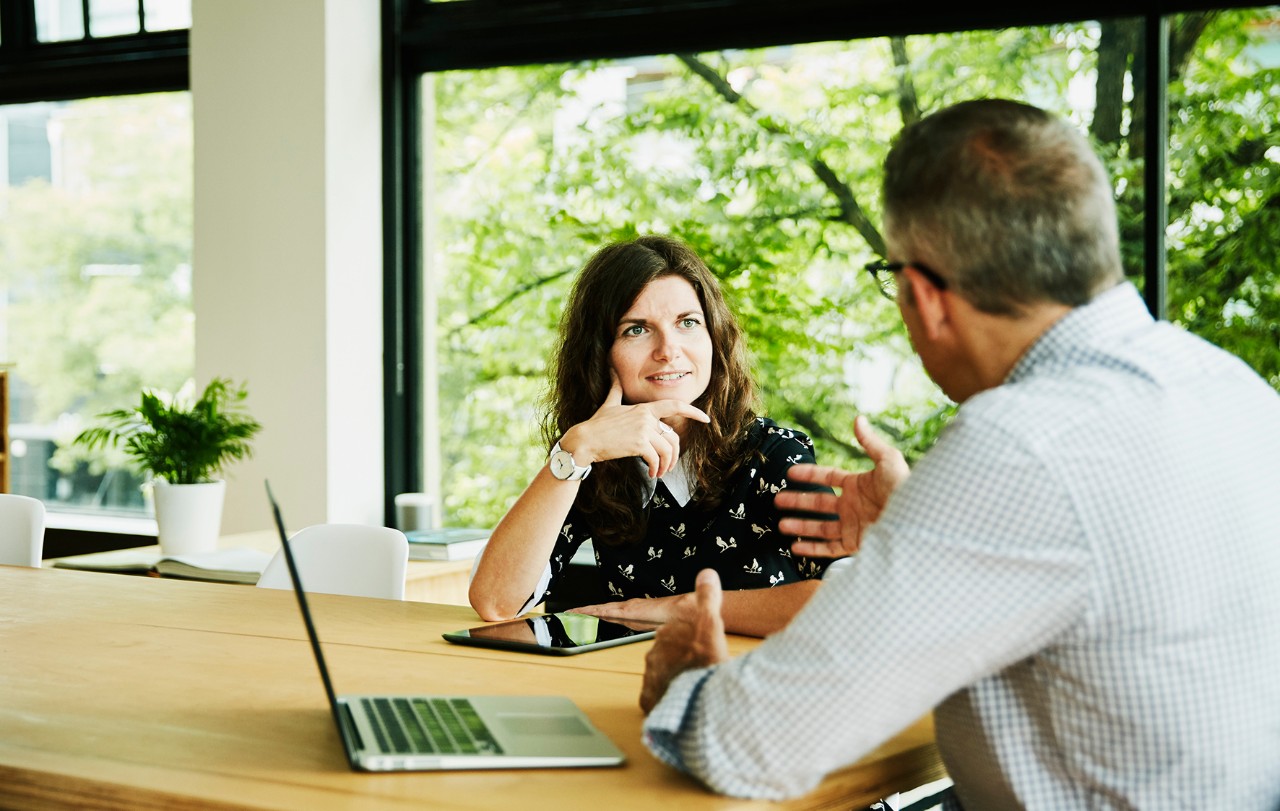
510, 297
851, 212
1126, 47
1186, 31
809, 423
1116, 44
908, 102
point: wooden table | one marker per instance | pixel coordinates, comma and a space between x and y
150, 693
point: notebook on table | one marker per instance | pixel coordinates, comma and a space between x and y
447, 732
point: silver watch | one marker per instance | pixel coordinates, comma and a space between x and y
564, 468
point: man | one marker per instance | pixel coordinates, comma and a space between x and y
1080, 576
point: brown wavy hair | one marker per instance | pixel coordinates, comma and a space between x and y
604, 291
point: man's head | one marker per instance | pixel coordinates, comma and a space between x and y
1004, 219
1006, 202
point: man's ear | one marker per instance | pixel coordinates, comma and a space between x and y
932, 304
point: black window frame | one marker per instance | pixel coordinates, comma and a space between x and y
420, 36
31, 70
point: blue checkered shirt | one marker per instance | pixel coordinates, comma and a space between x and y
1081, 577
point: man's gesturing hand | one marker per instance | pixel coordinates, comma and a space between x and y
859, 500
694, 637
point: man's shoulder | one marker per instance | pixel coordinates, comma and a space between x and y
1119, 390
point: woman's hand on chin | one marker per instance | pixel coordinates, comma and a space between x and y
644, 430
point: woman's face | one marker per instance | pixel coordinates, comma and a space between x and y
661, 348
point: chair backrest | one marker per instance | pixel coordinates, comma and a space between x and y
354, 559
21, 530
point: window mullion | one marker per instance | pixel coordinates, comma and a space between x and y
18, 29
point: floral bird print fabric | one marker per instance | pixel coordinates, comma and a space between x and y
739, 538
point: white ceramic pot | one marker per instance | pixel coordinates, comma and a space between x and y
188, 516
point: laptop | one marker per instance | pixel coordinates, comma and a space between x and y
383, 733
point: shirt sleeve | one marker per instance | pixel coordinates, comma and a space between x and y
573, 534
962, 576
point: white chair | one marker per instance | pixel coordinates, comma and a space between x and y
354, 559
21, 530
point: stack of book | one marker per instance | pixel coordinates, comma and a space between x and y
448, 543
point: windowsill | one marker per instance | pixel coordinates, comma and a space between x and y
80, 533
96, 522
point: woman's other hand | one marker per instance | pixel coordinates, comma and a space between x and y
647, 609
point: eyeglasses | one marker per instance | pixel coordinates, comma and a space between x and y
885, 274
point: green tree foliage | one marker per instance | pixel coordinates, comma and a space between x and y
767, 163
1224, 278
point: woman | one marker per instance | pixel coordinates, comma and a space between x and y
657, 455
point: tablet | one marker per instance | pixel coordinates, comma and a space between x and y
560, 634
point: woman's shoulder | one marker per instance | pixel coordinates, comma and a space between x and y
765, 435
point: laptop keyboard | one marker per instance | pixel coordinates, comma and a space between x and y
429, 726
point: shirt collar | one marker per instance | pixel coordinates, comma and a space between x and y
676, 481
1104, 321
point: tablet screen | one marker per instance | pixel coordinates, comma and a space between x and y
560, 633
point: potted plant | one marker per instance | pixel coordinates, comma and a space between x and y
182, 447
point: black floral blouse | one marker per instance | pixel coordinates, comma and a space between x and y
739, 539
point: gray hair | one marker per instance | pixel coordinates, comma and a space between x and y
1014, 200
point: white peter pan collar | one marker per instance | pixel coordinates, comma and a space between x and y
676, 480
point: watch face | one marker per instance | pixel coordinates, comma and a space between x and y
562, 465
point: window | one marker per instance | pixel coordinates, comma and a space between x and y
766, 157
95, 288
95, 235
533, 168
62, 20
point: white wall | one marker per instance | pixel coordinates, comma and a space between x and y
288, 248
